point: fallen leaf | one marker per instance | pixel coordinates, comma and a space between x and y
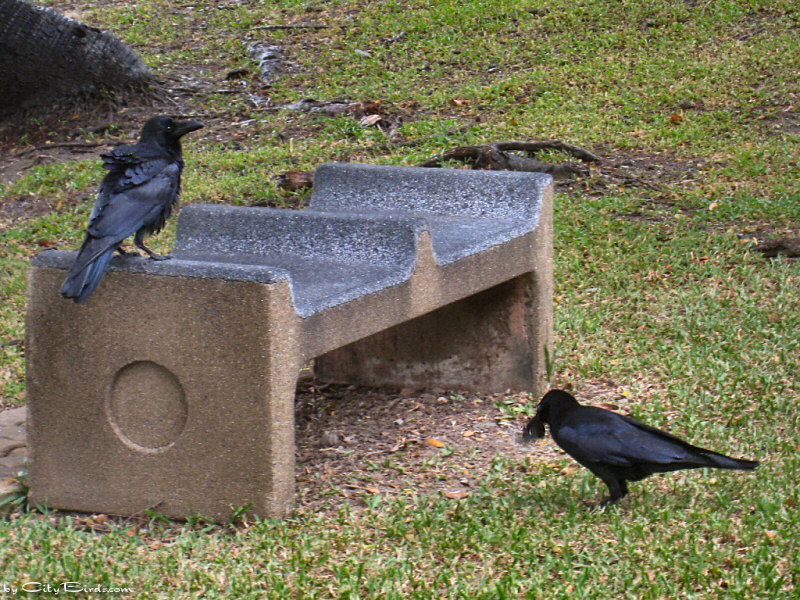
236, 74
675, 118
372, 490
435, 443
468, 434
296, 180
131, 532
713, 205
459, 101
456, 495
370, 120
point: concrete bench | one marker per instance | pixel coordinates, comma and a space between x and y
172, 388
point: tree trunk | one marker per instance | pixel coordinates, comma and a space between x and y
47, 59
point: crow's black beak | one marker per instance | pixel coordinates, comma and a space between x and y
185, 127
534, 430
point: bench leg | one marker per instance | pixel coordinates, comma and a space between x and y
165, 394
489, 342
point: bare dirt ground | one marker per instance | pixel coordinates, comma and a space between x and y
354, 443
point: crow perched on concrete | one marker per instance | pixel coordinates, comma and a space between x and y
135, 197
616, 448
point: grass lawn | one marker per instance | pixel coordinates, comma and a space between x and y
694, 107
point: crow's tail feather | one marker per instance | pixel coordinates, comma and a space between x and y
88, 269
720, 461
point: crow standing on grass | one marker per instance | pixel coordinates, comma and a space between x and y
135, 197
618, 449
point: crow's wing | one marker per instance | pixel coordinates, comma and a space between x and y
139, 173
133, 165
607, 438
119, 215
125, 212
128, 166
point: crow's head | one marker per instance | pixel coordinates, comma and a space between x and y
534, 430
166, 131
554, 399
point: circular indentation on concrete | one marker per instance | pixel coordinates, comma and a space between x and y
147, 408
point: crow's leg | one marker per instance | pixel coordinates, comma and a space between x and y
123, 252
617, 489
138, 241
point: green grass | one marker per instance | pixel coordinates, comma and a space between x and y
655, 290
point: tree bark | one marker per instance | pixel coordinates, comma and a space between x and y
46, 58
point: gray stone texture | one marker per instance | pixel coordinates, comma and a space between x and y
13, 455
172, 388
13, 447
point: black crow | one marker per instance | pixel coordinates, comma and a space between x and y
616, 448
135, 197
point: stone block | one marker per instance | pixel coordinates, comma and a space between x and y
172, 394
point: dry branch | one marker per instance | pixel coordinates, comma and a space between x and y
532, 147
787, 247
500, 156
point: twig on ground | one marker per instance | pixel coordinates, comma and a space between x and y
295, 26
421, 140
73, 145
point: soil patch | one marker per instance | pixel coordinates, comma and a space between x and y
357, 443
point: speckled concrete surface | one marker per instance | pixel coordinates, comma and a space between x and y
360, 234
